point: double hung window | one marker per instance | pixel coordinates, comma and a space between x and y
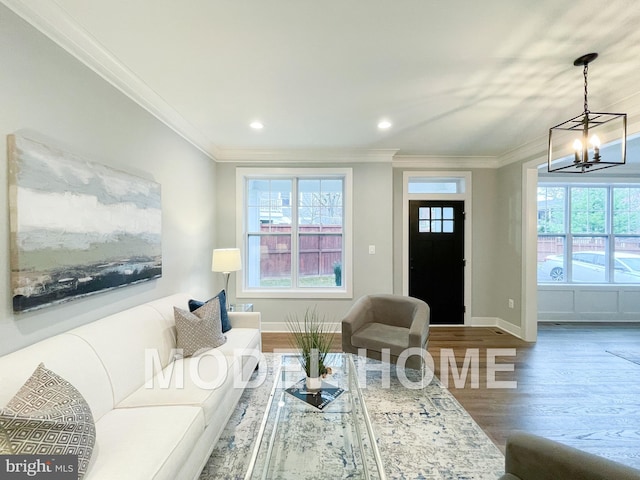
295, 231
589, 233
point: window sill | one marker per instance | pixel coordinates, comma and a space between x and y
297, 294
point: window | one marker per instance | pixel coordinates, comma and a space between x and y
436, 185
296, 226
589, 234
435, 220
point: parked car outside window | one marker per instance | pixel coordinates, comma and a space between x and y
590, 267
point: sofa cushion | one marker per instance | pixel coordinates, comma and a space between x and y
377, 336
199, 331
70, 357
49, 416
121, 341
201, 381
221, 297
240, 339
204, 380
164, 306
145, 443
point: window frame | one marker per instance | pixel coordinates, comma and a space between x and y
243, 175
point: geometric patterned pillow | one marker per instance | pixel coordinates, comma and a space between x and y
199, 331
48, 416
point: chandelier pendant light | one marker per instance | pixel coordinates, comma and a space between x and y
576, 145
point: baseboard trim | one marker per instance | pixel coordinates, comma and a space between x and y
514, 330
596, 319
281, 327
498, 322
484, 321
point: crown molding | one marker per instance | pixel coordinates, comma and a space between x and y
529, 151
51, 20
257, 155
443, 161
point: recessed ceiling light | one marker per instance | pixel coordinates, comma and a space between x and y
256, 125
384, 124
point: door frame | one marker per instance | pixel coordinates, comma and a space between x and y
465, 196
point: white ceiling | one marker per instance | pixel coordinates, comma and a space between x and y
456, 78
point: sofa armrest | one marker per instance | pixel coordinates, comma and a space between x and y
529, 457
245, 320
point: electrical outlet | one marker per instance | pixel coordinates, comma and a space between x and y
372, 249
511, 303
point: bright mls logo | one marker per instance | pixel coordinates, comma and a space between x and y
45, 467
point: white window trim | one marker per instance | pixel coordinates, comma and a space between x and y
468, 225
347, 272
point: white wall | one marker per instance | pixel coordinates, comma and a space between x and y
372, 225
507, 275
45, 91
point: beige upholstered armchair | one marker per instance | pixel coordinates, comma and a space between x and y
394, 322
529, 457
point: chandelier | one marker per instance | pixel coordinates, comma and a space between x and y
576, 145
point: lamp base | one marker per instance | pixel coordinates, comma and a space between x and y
226, 287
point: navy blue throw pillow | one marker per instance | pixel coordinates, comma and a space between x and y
224, 316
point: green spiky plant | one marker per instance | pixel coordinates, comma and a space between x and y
312, 337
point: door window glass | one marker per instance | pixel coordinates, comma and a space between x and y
436, 185
435, 220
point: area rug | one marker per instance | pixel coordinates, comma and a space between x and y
627, 355
422, 434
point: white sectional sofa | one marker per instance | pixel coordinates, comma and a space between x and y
162, 431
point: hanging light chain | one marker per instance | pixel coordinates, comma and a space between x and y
585, 71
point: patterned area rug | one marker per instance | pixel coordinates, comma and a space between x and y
422, 434
629, 356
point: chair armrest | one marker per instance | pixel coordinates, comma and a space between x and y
530, 457
245, 320
419, 330
359, 315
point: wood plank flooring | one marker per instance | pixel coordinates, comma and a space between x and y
569, 388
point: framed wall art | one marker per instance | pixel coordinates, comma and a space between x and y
77, 227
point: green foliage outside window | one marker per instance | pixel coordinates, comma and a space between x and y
626, 210
588, 209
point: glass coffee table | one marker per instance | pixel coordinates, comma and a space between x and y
326, 435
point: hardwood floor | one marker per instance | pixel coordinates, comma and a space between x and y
569, 388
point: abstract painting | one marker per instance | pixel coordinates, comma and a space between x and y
77, 227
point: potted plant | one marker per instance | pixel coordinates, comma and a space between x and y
337, 273
312, 337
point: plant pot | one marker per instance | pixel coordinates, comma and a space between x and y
314, 383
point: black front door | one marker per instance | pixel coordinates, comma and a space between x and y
436, 258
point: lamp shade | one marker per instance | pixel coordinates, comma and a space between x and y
226, 260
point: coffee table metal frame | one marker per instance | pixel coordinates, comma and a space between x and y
283, 379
